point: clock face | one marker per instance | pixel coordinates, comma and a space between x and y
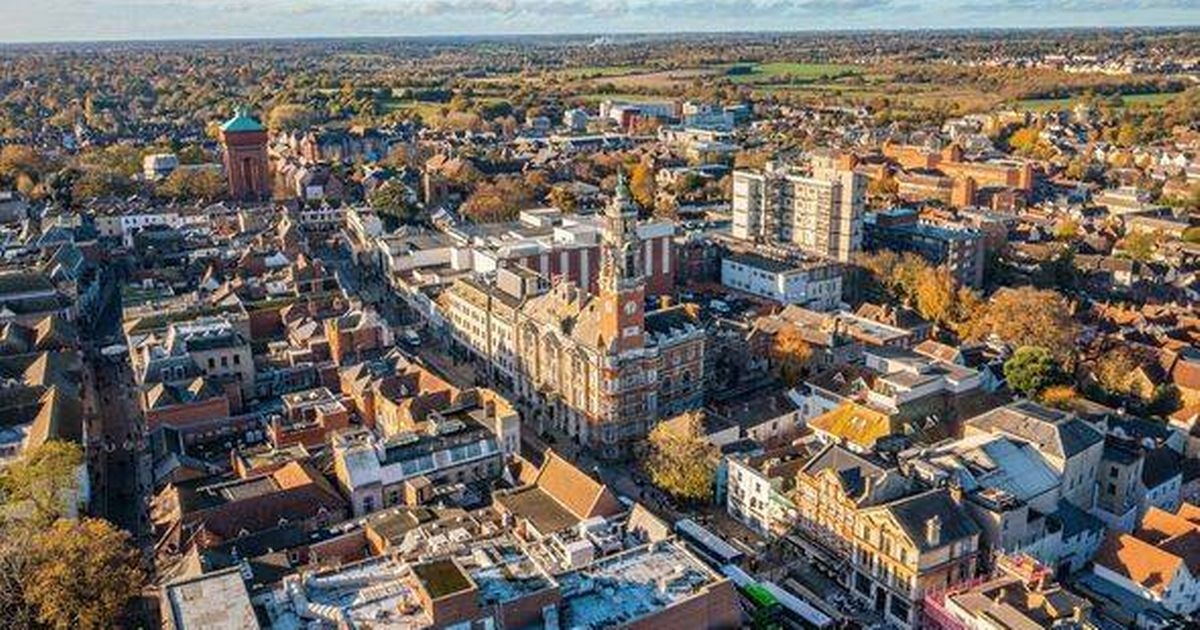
630, 308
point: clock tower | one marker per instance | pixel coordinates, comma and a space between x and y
622, 286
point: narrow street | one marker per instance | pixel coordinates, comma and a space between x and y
118, 449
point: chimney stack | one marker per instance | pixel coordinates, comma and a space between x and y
933, 531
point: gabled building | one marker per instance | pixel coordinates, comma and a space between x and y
560, 497
832, 487
207, 511
760, 489
1159, 562
910, 546
1071, 447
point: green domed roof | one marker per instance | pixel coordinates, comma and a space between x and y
242, 121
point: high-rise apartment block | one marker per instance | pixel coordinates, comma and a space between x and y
821, 212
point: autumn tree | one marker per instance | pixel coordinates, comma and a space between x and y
499, 200
96, 183
563, 198
680, 460
84, 574
1026, 316
16, 562
1139, 246
1116, 371
1024, 140
641, 185
1031, 369
790, 354
21, 163
1066, 230
932, 291
1059, 397
936, 295
290, 117
193, 184
400, 156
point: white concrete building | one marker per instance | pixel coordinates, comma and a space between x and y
813, 284
159, 165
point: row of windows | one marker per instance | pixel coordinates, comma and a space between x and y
212, 364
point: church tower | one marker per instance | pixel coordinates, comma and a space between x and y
622, 285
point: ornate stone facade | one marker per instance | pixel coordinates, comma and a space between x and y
598, 368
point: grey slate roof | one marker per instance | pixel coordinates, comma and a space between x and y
1160, 466
1053, 432
912, 513
1075, 521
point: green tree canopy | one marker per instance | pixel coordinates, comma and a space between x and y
392, 199
45, 479
1031, 369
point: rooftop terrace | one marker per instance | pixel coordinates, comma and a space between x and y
632, 585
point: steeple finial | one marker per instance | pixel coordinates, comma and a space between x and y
622, 191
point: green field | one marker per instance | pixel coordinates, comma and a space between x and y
597, 97
424, 108
767, 72
600, 71
1046, 104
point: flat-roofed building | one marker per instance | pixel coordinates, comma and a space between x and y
212, 601
460, 449
813, 284
960, 250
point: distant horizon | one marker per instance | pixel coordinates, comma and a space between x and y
665, 35
150, 21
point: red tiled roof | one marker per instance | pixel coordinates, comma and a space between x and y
575, 490
1141, 562
1186, 374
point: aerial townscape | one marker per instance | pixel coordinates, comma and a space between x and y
659, 328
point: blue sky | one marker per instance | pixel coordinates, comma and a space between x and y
41, 20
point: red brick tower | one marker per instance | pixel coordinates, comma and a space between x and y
244, 141
622, 285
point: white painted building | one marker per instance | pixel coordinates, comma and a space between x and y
812, 284
758, 489
159, 165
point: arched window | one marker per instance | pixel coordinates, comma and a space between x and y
630, 253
